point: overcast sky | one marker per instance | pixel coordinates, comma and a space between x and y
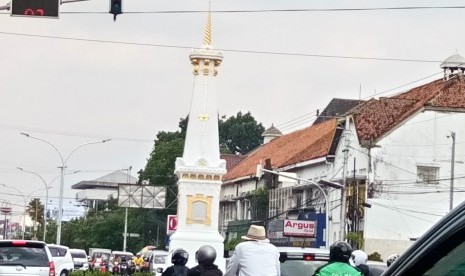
77, 90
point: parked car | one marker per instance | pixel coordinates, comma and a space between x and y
157, 261
81, 261
297, 261
440, 251
19, 257
61, 255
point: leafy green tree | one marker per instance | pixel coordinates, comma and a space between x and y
240, 133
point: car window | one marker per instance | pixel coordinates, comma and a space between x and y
54, 251
452, 263
78, 255
159, 259
300, 267
62, 251
26, 256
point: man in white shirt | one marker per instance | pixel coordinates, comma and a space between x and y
254, 257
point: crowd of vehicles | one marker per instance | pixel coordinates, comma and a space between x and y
27, 257
438, 252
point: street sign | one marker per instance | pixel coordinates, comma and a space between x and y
132, 235
35, 8
171, 224
299, 228
5, 210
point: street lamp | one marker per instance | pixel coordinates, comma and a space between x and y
25, 199
47, 187
25, 205
331, 184
62, 175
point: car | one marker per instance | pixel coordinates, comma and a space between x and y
61, 255
81, 261
439, 251
99, 259
297, 261
20, 257
115, 259
376, 267
157, 261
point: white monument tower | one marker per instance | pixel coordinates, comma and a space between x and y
200, 169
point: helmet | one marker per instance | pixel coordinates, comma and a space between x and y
138, 254
179, 257
206, 255
391, 259
340, 251
358, 257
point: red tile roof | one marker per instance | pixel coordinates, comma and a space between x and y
306, 144
232, 159
376, 118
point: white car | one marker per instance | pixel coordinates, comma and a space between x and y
301, 261
19, 257
81, 262
61, 255
157, 260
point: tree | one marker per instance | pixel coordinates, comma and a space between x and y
240, 133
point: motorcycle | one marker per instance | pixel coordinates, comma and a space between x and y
97, 264
123, 269
103, 267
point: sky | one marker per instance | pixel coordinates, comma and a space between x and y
84, 77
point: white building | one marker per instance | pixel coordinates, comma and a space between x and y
94, 192
392, 153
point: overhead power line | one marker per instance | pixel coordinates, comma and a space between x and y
224, 49
408, 8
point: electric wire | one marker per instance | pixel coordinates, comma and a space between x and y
406, 8
224, 49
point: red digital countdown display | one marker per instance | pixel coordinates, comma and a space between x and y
35, 8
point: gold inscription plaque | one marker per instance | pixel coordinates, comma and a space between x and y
199, 209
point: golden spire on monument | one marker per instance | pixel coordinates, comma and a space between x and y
207, 40
206, 60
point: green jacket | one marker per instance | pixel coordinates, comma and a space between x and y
337, 269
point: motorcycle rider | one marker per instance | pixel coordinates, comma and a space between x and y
205, 256
138, 262
123, 266
338, 265
359, 259
391, 259
179, 260
97, 261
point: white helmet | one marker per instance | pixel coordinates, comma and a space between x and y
358, 257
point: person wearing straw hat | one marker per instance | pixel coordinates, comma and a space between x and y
256, 256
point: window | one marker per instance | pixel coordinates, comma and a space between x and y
427, 175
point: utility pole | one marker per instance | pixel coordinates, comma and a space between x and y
126, 214
452, 167
36, 211
344, 184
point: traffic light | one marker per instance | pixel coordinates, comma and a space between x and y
116, 8
35, 8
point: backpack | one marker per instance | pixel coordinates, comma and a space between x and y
179, 271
